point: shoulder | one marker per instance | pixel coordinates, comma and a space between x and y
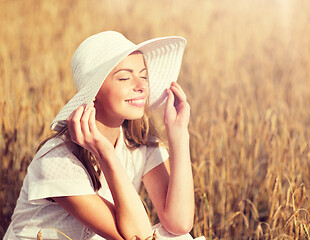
155, 144
155, 149
155, 154
56, 171
56, 157
56, 147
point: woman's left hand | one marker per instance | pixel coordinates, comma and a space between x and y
177, 110
170, 185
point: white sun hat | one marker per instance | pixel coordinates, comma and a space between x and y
96, 56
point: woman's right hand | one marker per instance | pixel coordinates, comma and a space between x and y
84, 132
127, 217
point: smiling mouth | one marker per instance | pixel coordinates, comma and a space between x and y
135, 101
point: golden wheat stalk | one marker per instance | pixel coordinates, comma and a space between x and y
306, 231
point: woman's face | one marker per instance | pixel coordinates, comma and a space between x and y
124, 93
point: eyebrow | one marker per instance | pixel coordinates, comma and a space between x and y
128, 70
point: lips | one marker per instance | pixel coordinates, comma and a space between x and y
138, 102
135, 101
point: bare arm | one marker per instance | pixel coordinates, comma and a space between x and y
128, 217
170, 185
94, 212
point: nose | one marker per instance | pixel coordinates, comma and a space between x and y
141, 84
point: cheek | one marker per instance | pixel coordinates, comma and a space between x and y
119, 94
113, 97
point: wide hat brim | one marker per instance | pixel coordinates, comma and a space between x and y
163, 59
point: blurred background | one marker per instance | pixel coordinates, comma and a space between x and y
246, 71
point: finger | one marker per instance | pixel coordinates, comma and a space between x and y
178, 98
73, 123
178, 86
92, 121
178, 92
85, 120
170, 98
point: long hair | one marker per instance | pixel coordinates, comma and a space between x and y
136, 133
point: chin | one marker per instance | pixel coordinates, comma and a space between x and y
133, 116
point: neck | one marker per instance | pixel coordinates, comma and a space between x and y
110, 132
108, 125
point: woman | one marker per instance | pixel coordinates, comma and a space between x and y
85, 180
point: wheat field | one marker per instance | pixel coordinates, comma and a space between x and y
246, 71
